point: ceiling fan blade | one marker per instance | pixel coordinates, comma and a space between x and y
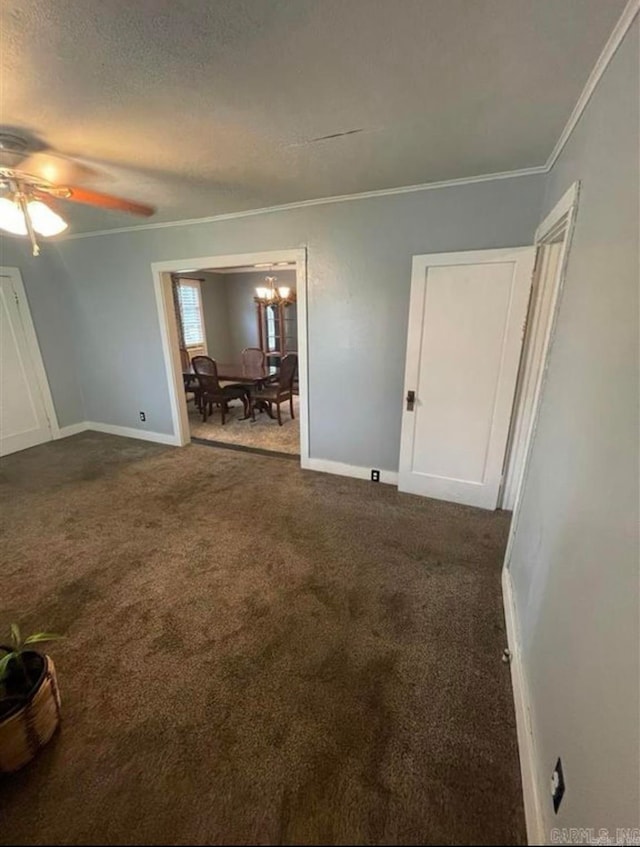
108, 201
57, 170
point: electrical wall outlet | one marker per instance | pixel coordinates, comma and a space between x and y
557, 785
143, 416
375, 476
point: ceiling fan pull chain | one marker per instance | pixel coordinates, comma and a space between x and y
22, 200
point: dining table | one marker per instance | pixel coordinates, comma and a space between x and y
237, 372
250, 375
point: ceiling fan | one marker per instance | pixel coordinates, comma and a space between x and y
31, 175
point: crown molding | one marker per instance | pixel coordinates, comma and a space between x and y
608, 52
320, 201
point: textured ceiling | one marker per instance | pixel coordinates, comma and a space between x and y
202, 107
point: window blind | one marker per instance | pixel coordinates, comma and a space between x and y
191, 312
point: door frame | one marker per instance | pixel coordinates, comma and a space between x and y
562, 214
523, 257
33, 346
562, 217
161, 272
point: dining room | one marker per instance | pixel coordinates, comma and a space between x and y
237, 333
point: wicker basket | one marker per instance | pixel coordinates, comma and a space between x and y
24, 732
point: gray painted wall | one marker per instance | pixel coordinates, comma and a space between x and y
55, 318
359, 269
575, 560
215, 312
241, 289
229, 310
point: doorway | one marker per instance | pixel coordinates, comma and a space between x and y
480, 327
245, 320
237, 309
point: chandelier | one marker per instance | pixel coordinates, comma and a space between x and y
270, 293
23, 214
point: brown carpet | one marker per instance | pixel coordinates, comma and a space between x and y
264, 433
256, 654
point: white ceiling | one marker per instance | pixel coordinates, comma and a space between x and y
203, 107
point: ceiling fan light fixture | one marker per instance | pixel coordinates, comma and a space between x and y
22, 215
11, 217
45, 221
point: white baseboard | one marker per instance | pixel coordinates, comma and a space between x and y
342, 469
526, 745
72, 429
322, 465
132, 432
112, 429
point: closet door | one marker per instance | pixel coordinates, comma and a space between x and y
466, 326
24, 419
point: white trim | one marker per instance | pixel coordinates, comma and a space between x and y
169, 336
72, 429
250, 269
559, 220
564, 205
564, 212
132, 432
33, 346
608, 51
303, 353
320, 201
321, 465
170, 351
113, 429
355, 471
524, 726
471, 257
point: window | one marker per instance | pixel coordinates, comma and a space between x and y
191, 312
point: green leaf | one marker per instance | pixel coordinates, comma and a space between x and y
15, 635
42, 636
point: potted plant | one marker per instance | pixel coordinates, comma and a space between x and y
29, 699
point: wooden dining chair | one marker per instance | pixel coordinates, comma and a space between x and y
212, 392
190, 381
253, 359
282, 390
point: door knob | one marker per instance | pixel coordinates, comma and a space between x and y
411, 399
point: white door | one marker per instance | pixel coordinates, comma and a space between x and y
24, 416
466, 325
